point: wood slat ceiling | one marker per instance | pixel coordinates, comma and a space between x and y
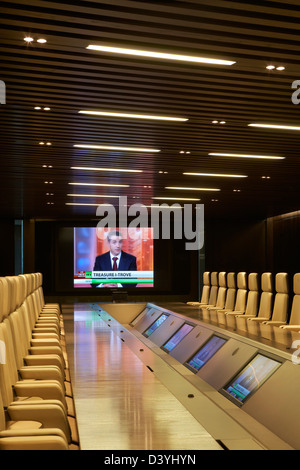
65, 76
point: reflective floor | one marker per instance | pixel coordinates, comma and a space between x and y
120, 404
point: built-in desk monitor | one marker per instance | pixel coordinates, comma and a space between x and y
205, 353
155, 325
250, 378
177, 337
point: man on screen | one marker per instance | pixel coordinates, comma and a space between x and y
115, 259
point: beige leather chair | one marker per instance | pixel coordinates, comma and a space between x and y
280, 307
213, 293
27, 400
17, 434
250, 323
252, 302
294, 321
205, 290
45, 307
221, 297
23, 387
230, 298
241, 298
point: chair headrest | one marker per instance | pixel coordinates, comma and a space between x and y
281, 283
12, 293
222, 279
4, 299
266, 282
22, 288
297, 283
231, 280
242, 280
253, 281
206, 280
214, 278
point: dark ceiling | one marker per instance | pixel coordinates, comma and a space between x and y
65, 76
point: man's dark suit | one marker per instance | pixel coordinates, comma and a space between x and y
127, 263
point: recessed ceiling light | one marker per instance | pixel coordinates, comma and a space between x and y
157, 206
280, 68
42, 40
37, 107
159, 55
133, 116
120, 149
276, 126
48, 143
28, 39
47, 109
245, 156
93, 195
105, 169
81, 204
192, 189
222, 122
41, 143
177, 198
216, 174
270, 67
101, 184
215, 122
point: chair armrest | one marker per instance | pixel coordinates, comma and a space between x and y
41, 439
246, 316
42, 373
45, 342
44, 389
274, 323
44, 360
50, 415
235, 313
46, 350
45, 335
259, 319
290, 327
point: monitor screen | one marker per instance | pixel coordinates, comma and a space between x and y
251, 377
155, 325
113, 257
205, 353
177, 337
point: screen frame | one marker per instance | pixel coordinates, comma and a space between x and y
191, 368
234, 400
178, 329
131, 287
148, 327
142, 313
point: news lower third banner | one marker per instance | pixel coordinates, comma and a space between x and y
126, 277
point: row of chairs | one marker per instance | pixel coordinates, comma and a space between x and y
36, 400
244, 302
